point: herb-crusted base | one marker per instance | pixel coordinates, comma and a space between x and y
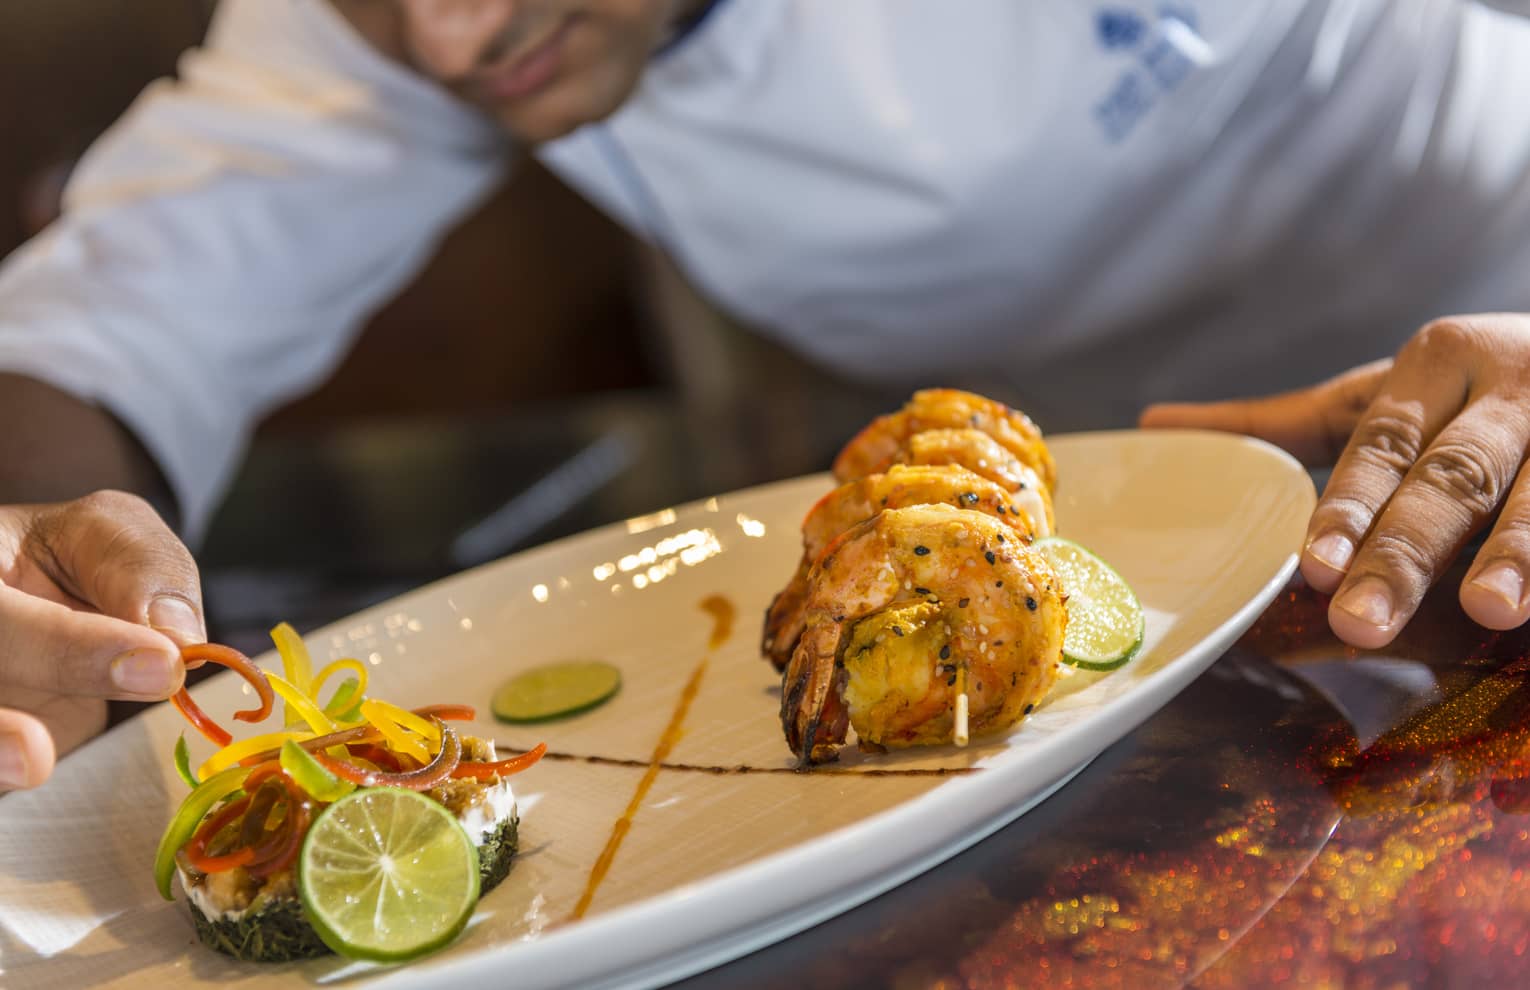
276, 932
496, 854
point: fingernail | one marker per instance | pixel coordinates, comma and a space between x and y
147, 672
13, 761
1504, 580
1370, 601
1332, 550
175, 618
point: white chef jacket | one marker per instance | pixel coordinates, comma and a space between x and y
1083, 206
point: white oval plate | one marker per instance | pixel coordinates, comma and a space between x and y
718, 860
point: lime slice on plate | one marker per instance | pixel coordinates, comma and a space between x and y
1105, 621
387, 874
555, 690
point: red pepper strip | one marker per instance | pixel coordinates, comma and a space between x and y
281, 850
448, 713
227, 656
422, 779
355, 734
196, 849
373, 753
199, 720
504, 768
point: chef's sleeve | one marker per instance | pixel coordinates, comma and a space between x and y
223, 242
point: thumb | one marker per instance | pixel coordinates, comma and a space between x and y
26, 751
1313, 423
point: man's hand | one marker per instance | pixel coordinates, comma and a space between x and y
96, 597
1428, 448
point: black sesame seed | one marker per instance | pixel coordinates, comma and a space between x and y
922, 550
951, 680
839, 618
1028, 709
921, 591
1001, 510
1001, 537
1030, 603
998, 584
963, 603
1020, 485
898, 630
989, 555
969, 497
945, 652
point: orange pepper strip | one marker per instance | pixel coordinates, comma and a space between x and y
199, 720
227, 656
503, 768
448, 713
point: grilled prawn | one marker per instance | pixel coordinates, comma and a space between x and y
982, 455
903, 607
899, 487
876, 446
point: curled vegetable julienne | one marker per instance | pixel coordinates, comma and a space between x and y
267, 803
422, 779
227, 656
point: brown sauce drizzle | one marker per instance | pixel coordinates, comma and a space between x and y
722, 612
741, 769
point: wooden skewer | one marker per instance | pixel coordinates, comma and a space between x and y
959, 732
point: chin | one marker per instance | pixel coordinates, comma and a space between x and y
565, 106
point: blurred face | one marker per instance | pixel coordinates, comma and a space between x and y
540, 67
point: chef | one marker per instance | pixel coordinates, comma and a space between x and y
1087, 208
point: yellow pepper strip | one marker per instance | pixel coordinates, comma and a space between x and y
295, 664
299, 702
234, 752
431, 730
348, 663
397, 736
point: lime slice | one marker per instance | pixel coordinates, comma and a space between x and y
387, 874
1105, 621
555, 690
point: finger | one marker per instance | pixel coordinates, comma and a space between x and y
1493, 591
1447, 495
113, 551
1312, 423
26, 751
1422, 393
45, 646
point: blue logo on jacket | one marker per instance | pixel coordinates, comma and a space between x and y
1160, 62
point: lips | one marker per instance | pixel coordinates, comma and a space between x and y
529, 70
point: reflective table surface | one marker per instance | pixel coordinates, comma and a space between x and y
1304, 814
